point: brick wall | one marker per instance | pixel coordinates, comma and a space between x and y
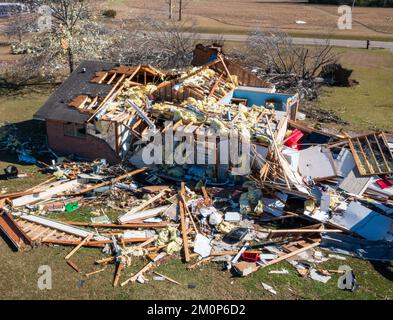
89, 147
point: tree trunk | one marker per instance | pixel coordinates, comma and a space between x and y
70, 60
180, 9
170, 10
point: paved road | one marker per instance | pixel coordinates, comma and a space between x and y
309, 41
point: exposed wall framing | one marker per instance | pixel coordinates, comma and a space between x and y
372, 154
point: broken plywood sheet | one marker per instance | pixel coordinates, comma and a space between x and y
361, 220
132, 216
354, 183
79, 232
344, 162
202, 246
372, 154
47, 194
317, 162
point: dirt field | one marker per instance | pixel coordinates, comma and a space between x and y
240, 16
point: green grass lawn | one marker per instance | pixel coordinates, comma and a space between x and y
367, 105
18, 108
19, 278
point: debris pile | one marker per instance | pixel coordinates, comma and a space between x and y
305, 189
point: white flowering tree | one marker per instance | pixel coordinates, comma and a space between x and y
73, 35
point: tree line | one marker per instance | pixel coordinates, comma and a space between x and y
357, 3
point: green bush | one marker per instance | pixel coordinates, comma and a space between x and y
109, 13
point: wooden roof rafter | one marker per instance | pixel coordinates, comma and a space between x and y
114, 91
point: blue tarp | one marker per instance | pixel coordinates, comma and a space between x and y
25, 158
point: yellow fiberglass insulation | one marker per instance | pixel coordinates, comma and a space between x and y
218, 125
163, 110
171, 112
137, 94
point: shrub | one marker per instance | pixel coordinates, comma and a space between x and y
109, 13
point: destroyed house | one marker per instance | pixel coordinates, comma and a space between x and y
103, 109
74, 116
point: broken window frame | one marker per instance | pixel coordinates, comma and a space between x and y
372, 154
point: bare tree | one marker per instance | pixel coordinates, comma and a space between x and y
20, 25
275, 51
74, 36
67, 16
181, 6
165, 44
170, 8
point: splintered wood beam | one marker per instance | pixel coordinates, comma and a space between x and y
276, 149
95, 272
108, 96
73, 266
133, 225
208, 201
225, 67
112, 78
116, 138
146, 268
215, 86
134, 73
183, 229
167, 278
120, 178
183, 199
87, 239
293, 253
119, 269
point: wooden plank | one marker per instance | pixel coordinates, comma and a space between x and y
117, 179
370, 168
167, 278
133, 225
99, 243
372, 154
119, 269
87, 239
108, 96
356, 158
146, 268
73, 266
95, 272
293, 253
382, 153
184, 230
